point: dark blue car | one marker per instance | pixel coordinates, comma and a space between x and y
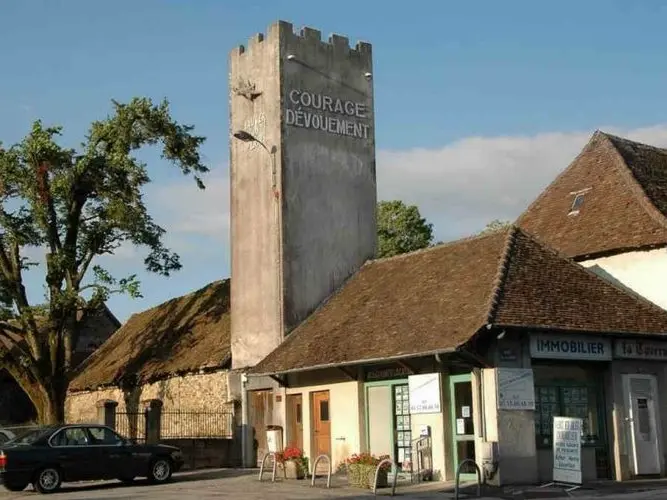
48, 456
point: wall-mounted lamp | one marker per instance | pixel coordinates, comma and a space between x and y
245, 136
290, 57
368, 75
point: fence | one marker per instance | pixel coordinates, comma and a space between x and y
177, 425
196, 424
131, 425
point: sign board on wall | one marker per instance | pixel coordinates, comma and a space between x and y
567, 450
570, 346
641, 349
516, 389
424, 393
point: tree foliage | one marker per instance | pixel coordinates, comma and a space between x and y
77, 205
495, 225
401, 229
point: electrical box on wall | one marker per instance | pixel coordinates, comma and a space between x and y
425, 431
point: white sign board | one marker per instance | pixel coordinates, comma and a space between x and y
570, 346
641, 349
516, 390
567, 450
424, 393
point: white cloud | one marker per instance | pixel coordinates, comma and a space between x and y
464, 185
185, 211
459, 187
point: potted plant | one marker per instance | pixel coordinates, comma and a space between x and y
361, 470
294, 462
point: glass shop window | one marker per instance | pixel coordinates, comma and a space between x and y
578, 401
568, 391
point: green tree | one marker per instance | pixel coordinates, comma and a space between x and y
495, 225
78, 205
401, 229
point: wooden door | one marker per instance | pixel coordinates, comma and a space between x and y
321, 423
260, 416
295, 420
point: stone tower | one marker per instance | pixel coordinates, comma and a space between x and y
303, 190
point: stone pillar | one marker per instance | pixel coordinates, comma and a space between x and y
153, 415
106, 412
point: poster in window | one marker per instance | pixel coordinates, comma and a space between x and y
424, 393
516, 389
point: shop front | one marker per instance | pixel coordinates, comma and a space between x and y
404, 419
570, 374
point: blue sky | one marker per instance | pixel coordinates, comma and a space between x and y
478, 103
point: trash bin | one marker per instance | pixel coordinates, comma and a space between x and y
274, 438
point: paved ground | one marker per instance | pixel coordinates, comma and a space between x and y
244, 485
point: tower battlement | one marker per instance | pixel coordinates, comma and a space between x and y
309, 38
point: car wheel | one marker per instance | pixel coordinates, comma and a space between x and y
14, 485
160, 470
47, 480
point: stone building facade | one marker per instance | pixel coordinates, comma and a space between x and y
176, 354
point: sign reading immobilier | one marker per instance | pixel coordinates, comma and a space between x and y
567, 450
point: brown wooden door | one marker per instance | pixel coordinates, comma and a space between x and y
260, 416
321, 423
295, 420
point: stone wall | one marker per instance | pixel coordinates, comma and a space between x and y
199, 392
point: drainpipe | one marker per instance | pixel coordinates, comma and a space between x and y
244, 421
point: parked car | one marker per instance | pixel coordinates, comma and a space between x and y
6, 435
49, 456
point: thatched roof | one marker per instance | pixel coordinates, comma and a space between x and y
438, 299
622, 187
182, 335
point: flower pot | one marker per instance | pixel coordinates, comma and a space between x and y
293, 470
362, 476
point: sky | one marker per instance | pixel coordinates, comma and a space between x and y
478, 104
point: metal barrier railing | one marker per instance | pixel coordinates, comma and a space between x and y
312, 481
458, 474
275, 465
377, 473
418, 449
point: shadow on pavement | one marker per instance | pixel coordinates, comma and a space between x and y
181, 477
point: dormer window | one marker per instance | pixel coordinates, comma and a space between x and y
577, 202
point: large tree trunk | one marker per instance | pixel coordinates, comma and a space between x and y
49, 401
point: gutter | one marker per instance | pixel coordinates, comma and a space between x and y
324, 366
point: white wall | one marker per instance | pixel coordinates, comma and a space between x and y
642, 272
344, 410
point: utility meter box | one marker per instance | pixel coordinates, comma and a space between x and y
274, 438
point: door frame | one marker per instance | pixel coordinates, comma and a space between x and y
313, 440
630, 420
455, 379
392, 438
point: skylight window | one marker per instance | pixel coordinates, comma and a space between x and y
576, 204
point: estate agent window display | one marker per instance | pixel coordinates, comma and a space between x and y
572, 391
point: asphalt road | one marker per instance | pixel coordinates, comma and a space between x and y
238, 484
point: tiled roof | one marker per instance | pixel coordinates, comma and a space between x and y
182, 335
624, 187
436, 300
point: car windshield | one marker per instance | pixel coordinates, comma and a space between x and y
30, 436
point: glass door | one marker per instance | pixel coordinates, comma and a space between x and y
463, 428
